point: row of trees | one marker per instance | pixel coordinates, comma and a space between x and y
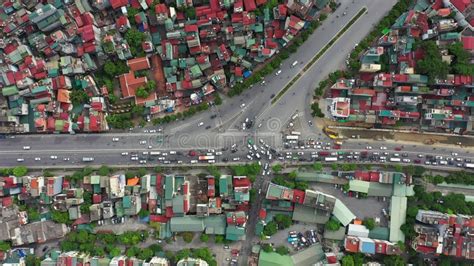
290, 181
315, 110
146, 90
249, 170
181, 115
460, 177
16, 171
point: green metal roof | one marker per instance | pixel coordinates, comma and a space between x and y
335, 235
273, 259
187, 224
381, 233
315, 177
398, 212
215, 224
309, 256
9, 91
379, 190
169, 190
359, 186
342, 213
307, 214
234, 233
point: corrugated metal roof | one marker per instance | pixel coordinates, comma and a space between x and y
309, 256
342, 213
273, 259
359, 186
398, 212
187, 223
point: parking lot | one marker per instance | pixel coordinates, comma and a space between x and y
281, 237
361, 207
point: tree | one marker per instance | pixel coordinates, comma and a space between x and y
114, 251
204, 238
146, 254
133, 251
348, 260
20, 171
143, 213
141, 172
432, 64
332, 225
32, 260
270, 229
267, 248
190, 12
412, 211
4, 246
217, 99
408, 229
393, 261
60, 217
141, 92
187, 236
156, 248
369, 223
214, 171
318, 166
78, 97
282, 250
277, 168
283, 221
103, 170
218, 239
33, 214
460, 65
110, 68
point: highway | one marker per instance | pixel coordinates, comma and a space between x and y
226, 128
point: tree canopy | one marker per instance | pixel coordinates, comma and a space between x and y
332, 225
432, 64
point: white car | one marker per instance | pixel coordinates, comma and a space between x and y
383, 148
454, 153
142, 142
405, 160
66, 159
278, 72
37, 159
242, 105
134, 158
368, 147
150, 147
145, 131
152, 130
115, 139
20, 160
200, 124
142, 162
124, 153
26, 147
236, 159
53, 157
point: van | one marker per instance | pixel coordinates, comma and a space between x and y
294, 64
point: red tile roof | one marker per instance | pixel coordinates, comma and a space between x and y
250, 5
118, 3
461, 5
468, 42
139, 63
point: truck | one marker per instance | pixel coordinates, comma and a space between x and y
469, 165
292, 137
297, 133
331, 133
87, 159
330, 159
394, 159
206, 157
155, 153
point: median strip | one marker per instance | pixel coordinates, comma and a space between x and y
319, 54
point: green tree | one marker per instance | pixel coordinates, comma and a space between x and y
412, 211
283, 221
4, 246
460, 65
190, 12
369, 223
114, 251
282, 250
143, 213
267, 248
214, 171
432, 64
32, 260
133, 251
318, 166
110, 68
218, 239
33, 214
332, 225
103, 170
156, 248
78, 97
204, 238
141, 92
20, 171
277, 168
187, 236
60, 217
393, 261
270, 229
146, 254
348, 260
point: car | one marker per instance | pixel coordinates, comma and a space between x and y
26, 147
150, 147
208, 127
405, 160
66, 159
37, 159
454, 153
226, 247
152, 130
278, 72
45, 248
368, 147
20, 160
310, 123
236, 159
115, 139
53, 157
242, 105
213, 116
272, 96
200, 124
134, 158
383, 148
142, 142
420, 155
294, 64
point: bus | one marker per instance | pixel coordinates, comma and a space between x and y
469, 165
207, 157
330, 159
87, 159
395, 159
296, 133
291, 137
155, 153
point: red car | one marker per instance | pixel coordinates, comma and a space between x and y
398, 148
337, 147
417, 161
192, 153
